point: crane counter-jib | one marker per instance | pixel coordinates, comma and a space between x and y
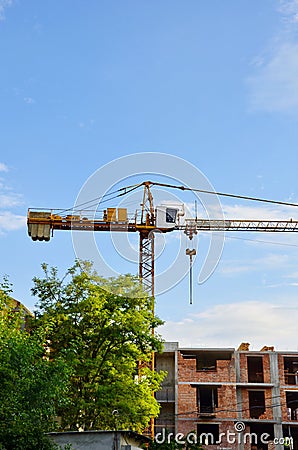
41, 224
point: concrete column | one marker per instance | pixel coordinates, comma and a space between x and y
176, 391
276, 410
238, 395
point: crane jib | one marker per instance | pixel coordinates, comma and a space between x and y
42, 223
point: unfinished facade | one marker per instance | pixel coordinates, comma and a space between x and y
230, 399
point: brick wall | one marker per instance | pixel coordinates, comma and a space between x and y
187, 371
227, 402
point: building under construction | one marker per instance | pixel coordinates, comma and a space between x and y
229, 399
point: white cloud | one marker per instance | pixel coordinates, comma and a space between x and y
3, 167
3, 5
228, 325
10, 200
11, 222
29, 100
292, 275
267, 262
259, 212
86, 124
274, 87
289, 10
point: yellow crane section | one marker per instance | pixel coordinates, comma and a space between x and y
41, 224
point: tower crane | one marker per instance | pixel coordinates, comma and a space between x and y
162, 219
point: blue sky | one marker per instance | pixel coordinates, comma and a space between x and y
214, 83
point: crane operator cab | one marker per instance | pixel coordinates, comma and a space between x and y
168, 216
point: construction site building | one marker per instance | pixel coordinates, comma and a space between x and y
229, 399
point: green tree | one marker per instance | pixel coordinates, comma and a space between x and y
106, 326
30, 385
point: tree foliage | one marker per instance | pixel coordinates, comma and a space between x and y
30, 385
101, 327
